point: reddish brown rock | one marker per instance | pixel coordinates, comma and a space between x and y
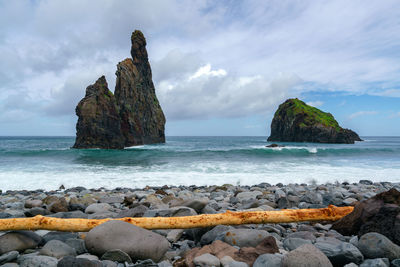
217, 248
56, 204
380, 214
221, 249
250, 254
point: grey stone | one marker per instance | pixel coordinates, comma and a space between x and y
62, 236
379, 262
98, 208
340, 253
10, 264
354, 241
102, 215
108, 263
212, 235
78, 244
396, 263
116, 255
36, 211
227, 261
57, 249
279, 194
111, 199
195, 234
248, 195
306, 228
306, 256
196, 204
137, 242
16, 213
244, 237
19, 241
37, 261
70, 261
349, 201
88, 257
303, 235
325, 227
374, 245
32, 203
312, 197
172, 212
164, 264
289, 201
4, 215
137, 211
294, 242
268, 260
9, 256
351, 265
174, 235
70, 214
206, 260
237, 264
15, 205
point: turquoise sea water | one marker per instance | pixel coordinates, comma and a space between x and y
48, 162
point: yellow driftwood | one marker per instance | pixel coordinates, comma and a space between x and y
331, 213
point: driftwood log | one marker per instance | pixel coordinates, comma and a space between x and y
330, 213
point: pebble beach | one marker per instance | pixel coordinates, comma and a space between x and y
117, 243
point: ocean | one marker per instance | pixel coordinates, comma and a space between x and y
49, 162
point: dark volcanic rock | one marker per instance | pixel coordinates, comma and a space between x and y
295, 121
99, 124
142, 119
133, 117
380, 214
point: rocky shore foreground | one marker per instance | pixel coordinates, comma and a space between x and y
359, 241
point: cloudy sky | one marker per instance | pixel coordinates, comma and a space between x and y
220, 67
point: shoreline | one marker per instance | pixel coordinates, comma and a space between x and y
172, 201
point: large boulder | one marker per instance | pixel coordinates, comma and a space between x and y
338, 252
138, 243
295, 121
306, 256
19, 241
380, 214
375, 245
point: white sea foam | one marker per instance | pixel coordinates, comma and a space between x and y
202, 173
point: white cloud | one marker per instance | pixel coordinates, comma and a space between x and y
362, 113
206, 71
208, 93
315, 103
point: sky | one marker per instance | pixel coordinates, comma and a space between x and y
219, 67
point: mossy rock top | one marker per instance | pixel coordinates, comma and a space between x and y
311, 115
295, 121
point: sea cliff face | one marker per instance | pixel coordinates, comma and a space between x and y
142, 119
99, 124
295, 121
132, 117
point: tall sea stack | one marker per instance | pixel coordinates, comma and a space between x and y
132, 117
295, 121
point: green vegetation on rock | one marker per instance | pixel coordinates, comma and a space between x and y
312, 115
295, 121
